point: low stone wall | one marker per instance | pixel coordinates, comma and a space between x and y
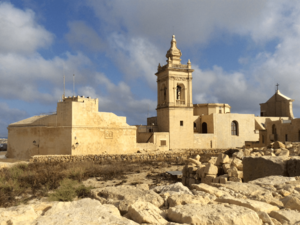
170, 156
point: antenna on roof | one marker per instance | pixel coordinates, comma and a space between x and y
73, 84
64, 84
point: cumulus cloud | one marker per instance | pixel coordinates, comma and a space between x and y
19, 32
195, 22
32, 78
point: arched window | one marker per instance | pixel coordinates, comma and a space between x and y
234, 128
178, 92
204, 128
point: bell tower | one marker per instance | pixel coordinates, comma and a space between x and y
174, 99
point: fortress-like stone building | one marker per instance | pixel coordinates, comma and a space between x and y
78, 128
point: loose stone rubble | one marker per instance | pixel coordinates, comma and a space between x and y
211, 192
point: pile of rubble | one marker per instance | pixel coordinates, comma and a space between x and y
224, 168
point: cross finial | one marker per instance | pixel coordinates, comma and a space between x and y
277, 86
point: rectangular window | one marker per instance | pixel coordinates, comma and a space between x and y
181, 123
163, 142
220, 110
263, 139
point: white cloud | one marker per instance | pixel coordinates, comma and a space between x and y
195, 22
19, 31
35, 78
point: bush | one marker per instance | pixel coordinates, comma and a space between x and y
68, 190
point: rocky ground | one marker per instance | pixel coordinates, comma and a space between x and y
151, 196
213, 192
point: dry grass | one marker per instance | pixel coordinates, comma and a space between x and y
26, 181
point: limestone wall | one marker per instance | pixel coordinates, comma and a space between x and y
204, 141
26, 141
246, 130
172, 156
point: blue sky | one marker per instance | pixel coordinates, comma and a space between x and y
239, 50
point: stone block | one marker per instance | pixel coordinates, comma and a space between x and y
293, 166
240, 154
237, 163
258, 167
223, 180
192, 169
207, 180
284, 152
235, 179
201, 172
222, 158
233, 172
225, 167
213, 160
216, 180
278, 144
211, 169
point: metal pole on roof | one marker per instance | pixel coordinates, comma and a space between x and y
73, 84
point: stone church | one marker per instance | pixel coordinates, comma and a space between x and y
78, 128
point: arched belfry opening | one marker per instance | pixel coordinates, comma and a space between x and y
180, 95
178, 92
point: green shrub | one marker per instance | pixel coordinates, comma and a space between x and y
68, 190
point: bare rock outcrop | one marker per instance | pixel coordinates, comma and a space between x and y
213, 214
125, 195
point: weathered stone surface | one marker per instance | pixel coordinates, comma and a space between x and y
291, 202
145, 212
208, 189
213, 160
258, 167
143, 186
240, 154
284, 152
177, 187
293, 166
278, 144
84, 211
175, 200
213, 214
235, 179
286, 216
272, 180
243, 188
265, 217
237, 163
251, 204
194, 161
211, 169
225, 167
222, 158
125, 195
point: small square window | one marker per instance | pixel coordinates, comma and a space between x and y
163, 142
181, 123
